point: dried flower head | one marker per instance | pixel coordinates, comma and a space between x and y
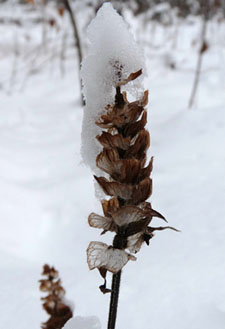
123, 158
54, 303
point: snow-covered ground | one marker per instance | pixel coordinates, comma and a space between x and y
46, 193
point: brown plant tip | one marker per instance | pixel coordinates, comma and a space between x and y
53, 303
131, 77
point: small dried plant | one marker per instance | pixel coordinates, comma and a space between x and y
54, 303
125, 142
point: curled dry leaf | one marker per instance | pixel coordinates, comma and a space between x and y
100, 255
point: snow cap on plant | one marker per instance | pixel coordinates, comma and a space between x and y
118, 127
112, 56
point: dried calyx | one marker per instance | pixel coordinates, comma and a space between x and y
125, 142
54, 303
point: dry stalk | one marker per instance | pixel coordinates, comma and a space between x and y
202, 50
53, 303
125, 142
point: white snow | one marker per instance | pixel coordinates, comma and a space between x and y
80, 322
46, 195
111, 48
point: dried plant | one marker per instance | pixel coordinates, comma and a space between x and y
54, 303
125, 142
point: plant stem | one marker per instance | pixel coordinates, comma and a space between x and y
200, 54
76, 38
114, 300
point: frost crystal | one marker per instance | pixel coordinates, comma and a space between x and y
112, 56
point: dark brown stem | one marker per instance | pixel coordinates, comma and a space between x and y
200, 55
114, 300
76, 37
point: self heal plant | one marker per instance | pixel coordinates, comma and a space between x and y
122, 170
123, 158
54, 303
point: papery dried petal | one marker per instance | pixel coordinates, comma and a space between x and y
132, 129
108, 160
110, 206
134, 242
45, 285
105, 223
140, 146
132, 111
46, 269
128, 214
100, 255
130, 171
117, 189
144, 100
109, 141
142, 191
146, 172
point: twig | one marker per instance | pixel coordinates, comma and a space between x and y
77, 39
199, 61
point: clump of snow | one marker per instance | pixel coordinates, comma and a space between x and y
112, 56
79, 322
